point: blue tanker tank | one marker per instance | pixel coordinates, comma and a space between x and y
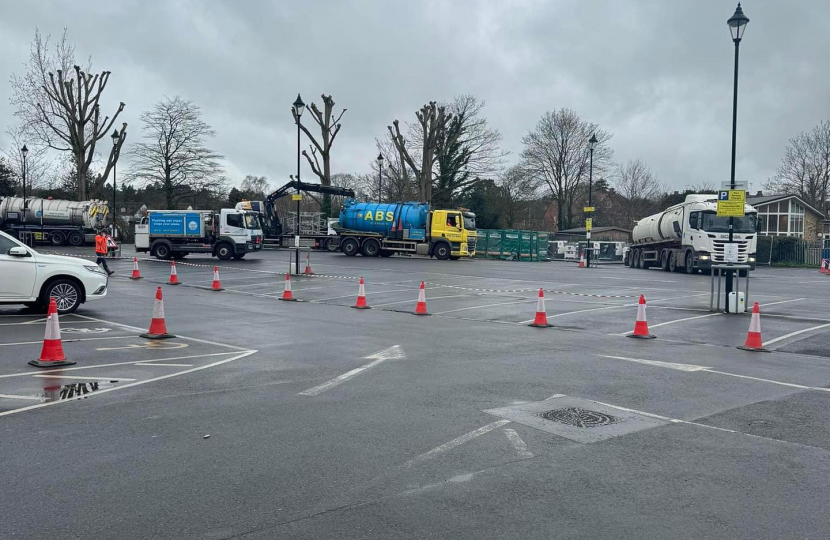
379, 217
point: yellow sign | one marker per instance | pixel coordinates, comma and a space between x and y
297, 197
588, 209
731, 203
589, 223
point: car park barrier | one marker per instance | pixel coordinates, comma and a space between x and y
158, 326
641, 325
361, 297
421, 306
753, 337
51, 355
541, 320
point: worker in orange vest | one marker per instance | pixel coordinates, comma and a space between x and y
101, 249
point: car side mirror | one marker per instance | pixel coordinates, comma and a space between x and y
19, 251
676, 226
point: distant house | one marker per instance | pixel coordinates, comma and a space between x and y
787, 215
598, 234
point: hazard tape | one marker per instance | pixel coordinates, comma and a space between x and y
551, 291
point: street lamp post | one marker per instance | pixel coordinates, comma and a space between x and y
25, 152
737, 25
115, 138
299, 106
380, 176
592, 143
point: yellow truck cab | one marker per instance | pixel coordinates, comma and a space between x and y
454, 227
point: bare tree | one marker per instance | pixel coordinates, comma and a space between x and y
255, 187
638, 189
516, 189
397, 184
556, 151
38, 165
175, 156
329, 127
432, 119
805, 167
58, 103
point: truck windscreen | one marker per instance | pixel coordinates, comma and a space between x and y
252, 221
469, 222
713, 223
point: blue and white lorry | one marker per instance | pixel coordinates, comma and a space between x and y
174, 234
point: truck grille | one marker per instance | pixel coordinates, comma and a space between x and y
717, 255
471, 244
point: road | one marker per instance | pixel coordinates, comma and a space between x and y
309, 419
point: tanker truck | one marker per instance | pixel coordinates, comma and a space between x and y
379, 229
56, 221
690, 237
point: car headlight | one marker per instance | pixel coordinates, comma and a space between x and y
95, 269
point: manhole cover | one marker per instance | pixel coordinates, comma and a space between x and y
579, 417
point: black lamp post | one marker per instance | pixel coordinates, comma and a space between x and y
737, 25
380, 176
592, 143
299, 106
115, 137
25, 152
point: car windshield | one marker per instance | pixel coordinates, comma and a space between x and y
252, 221
713, 223
469, 222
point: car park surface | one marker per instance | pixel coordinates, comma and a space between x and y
309, 419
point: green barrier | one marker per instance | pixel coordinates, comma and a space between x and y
512, 245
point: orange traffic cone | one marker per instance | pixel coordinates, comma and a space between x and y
216, 286
361, 297
753, 337
158, 328
307, 271
541, 320
51, 355
421, 306
286, 293
823, 269
582, 261
136, 273
174, 276
641, 326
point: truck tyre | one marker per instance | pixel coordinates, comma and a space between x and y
350, 247
632, 258
66, 292
672, 262
644, 265
331, 245
370, 248
57, 238
161, 251
664, 260
442, 251
224, 251
76, 239
386, 253
690, 263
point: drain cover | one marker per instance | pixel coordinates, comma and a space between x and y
579, 417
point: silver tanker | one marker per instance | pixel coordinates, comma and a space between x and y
57, 221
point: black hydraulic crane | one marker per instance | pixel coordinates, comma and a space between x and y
273, 226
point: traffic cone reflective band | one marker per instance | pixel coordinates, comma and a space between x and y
361, 297
582, 261
541, 320
216, 286
641, 326
51, 355
307, 271
158, 328
421, 306
286, 293
136, 273
753, 337
174, 277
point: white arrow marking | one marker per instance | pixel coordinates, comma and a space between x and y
518, 443
392, 353
658, 363
457, 442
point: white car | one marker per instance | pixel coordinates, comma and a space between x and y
31, 278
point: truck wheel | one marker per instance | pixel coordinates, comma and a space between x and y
224, 251
76, 239
690, 264
67, 294
672, 262
350, 247
632, 258
57, 238
161, 251
331, 245
386, 253
664, 260
442, 251
370, 248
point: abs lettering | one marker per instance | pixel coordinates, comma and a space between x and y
368, 216
379, 215
389, 216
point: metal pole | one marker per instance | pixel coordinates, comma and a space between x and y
380, 181
730, 273
25, 202
114, 206
42, 237
299, 185
590, 188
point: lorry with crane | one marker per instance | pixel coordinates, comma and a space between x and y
691, 237
56, 221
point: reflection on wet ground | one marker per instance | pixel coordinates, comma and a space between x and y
74, 390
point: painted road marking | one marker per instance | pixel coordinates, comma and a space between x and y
392, 353
525, 301
658, 363
429, 298
518, 443
85, 378
70, 340
677, 321
791, 334
782, 302
353, 295
456, 442
152, 345
10, 396
163, 365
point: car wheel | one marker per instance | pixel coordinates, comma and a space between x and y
370, 248
161, 251
442, 252
67, 295
76, 239
224, 251
57, 238
350, 247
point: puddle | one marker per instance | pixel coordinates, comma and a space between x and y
75, 390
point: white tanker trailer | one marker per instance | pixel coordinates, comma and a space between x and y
690, 236
56, 221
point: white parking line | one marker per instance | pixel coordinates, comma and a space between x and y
517, 442
781, 302
525, 301
67, 340
163, 365
456, 442
10, 396
85, 378
414, 300
354, 294
392, 353
658, 363
681, 320
791, 334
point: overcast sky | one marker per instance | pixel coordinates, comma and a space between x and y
657, 74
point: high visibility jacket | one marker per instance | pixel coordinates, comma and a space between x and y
100, 245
